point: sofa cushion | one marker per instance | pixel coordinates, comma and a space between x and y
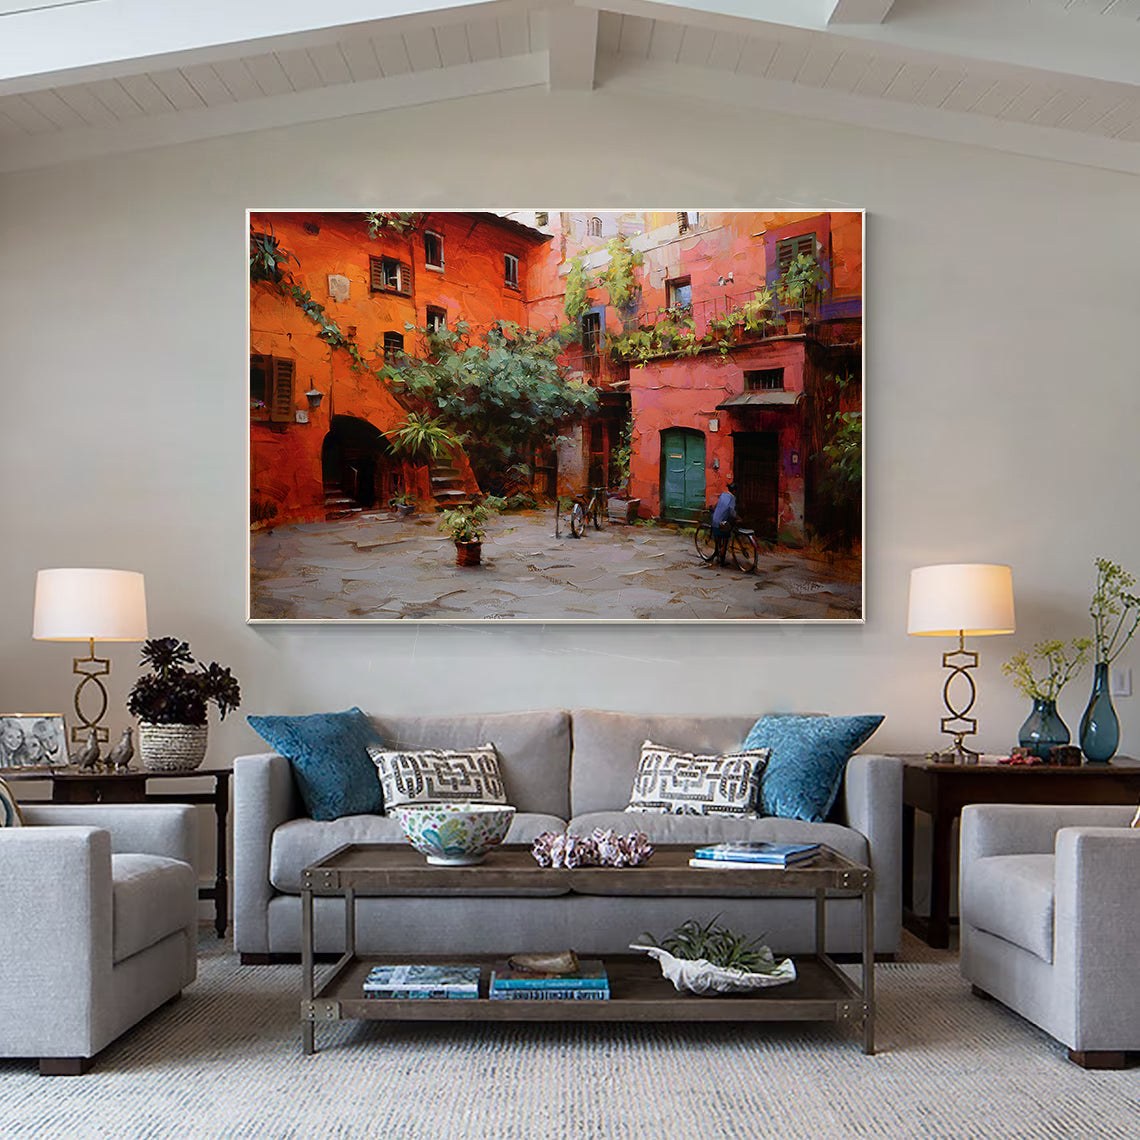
533, 749
301, 842
1011, 896
701, 830
432, 775
152, 897
328, 754
685, 783
607, 750
9, 810
809, 756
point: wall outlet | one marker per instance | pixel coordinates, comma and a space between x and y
1120, 681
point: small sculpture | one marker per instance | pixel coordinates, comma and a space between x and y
120, 756
598, 849
88, 756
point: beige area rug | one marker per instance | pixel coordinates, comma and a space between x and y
225, 1061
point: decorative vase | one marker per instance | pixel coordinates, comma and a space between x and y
1100, 730
468, 553
1043, 729
172, 747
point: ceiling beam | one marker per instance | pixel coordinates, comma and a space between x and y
860, 11
573, 48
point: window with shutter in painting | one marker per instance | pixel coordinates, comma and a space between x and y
393, 346
390, 275
790, 248
510, 271
436, 319
271, 388
433, 250
679, 293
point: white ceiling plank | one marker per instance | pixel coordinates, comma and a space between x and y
330, 64
239, 79
360, 58
113, 96
483, 40
26, 116
1120, 118
299, 67
204, 79
910, 80
1131, 134
537, 29
787, 61
9, 128
1026, 106
878, 76
1063, 103
392, 54
1082, 117
730, 52
665, 41
938, 87
696, 46
816, 67
860, 11
609, 31
267, 75
311, 106
142, 89
174, 86
514, 35
423, 50
573, 49
998, 97
452, 43
966, 95
636, 33
49, 104
848, 70
82, 100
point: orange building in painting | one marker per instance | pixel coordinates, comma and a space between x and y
711, 384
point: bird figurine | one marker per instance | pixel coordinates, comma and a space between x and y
120, 756
88, 756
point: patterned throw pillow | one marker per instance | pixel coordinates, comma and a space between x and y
809, 757
433, 775
683, 783
9, 809
327, 754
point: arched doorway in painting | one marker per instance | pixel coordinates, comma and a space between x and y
682, 474
357, 461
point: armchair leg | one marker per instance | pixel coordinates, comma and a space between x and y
980, 993
1096, 1059
65, 1066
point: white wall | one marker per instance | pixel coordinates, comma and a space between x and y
1001, 397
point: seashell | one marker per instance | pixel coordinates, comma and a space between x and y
697, 976
555, 962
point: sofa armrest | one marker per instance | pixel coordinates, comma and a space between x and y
264, 798
144, 829
1027, 829
1097, 928
872, 801
55, 896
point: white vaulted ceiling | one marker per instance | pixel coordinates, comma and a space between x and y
1056, 78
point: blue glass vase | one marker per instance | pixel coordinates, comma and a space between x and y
1043, 729
1100, 730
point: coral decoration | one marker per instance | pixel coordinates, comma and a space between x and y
598, 849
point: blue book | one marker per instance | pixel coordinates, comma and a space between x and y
590, 975
759, 852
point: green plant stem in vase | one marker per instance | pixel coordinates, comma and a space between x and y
1043, 728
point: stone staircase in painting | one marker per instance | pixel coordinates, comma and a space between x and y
447, 485
338, 505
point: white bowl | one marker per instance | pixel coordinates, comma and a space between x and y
454, 835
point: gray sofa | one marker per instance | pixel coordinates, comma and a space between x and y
561, 769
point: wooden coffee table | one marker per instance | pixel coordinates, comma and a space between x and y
821, 991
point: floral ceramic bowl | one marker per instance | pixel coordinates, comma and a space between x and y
454, 835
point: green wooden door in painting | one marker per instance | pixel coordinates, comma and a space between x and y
682, 474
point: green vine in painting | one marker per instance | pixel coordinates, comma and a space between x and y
577, 298
402, 221
618, 277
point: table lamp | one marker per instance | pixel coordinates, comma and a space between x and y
959, 600
90, 605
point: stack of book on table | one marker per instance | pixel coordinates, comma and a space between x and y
588, 983
756, 854
416, 981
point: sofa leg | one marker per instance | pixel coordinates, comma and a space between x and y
1096, 1059
980, 993
65, 1066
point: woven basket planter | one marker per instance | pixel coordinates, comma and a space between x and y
172, 747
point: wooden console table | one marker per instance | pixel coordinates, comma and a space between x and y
77, 786
942, 790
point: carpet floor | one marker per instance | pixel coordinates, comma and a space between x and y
225, 1061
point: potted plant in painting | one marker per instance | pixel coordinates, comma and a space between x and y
466, 527
171, 702
799, 284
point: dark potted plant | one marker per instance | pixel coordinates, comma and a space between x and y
465, 526
799, 284
171, 702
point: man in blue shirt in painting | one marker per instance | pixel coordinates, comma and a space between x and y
723, 516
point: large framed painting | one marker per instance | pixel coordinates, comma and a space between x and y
556, 415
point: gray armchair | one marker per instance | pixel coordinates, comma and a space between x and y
99, 926
1049, 921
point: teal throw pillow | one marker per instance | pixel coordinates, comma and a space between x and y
809, 755
329, 756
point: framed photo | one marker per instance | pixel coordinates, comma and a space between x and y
532, 415
33, 740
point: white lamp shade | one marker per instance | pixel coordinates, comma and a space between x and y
972, 598
80, 605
